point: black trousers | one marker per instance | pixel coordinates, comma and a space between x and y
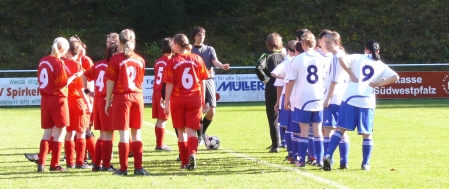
270, 101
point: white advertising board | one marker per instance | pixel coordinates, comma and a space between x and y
231, 88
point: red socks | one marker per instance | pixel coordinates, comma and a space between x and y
192, 144
69, 149
159, 136
123, 151
56, 154
137, 148
43, 150
184, 153
106, 152
80, 148
98, 156
90, 146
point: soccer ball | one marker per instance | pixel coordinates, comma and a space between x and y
212, 143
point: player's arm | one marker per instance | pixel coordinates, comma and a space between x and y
278, 96
348, 70
388, 77
288, 92
85, 99
168, 91
109, 88
220, 65
329, 94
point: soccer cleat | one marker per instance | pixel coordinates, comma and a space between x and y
130, 154
57, 168
282, 146
269, 147
311, 160
40, 168
200, 141
192, 162
141, 172
344, 166
96, 168
70, 166
83, 166
300, 164
179, 158
32, 157
63, 158
184, 167
327, 166
365, 167
120, 173
274, 150
320, 165
162, 148
110, 169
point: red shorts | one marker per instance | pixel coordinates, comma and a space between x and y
127, 111
185, 112
101, 121
78, 115
54, 112
157, 110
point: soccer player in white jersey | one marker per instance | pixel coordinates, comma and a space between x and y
366, 72
335, 80
306, 75
284, 117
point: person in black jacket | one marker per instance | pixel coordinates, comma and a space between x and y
274, 56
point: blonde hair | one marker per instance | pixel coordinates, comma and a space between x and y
59, 43
128, 38
308, 39
274, 42
335, 36
182, 41
112, 35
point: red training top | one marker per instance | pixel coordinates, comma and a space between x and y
127, 73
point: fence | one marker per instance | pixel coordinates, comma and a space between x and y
19, 91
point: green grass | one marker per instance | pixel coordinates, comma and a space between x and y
410, 151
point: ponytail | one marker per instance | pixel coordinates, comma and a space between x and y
374, 47
127, 37
182, 41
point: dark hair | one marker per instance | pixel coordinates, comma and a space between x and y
373, 46
76, 38
298, 47
75, 47
291, 45
324, 33
274, 42
300, 32
111, 51
196, 30
166, 45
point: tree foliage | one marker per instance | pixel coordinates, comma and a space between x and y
408, 31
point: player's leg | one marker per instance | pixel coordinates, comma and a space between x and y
120, 114
91, 143
344, 151
182, 147
270, 102
303, 143
80, 149
135, 123
159, 131
69, 148
211, 99
192, 117
365, 127
318, 143
106, 150
59, 133
47, 125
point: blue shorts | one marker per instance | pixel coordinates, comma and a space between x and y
283, 114
330, 116
351, 117
292, 126
301, 116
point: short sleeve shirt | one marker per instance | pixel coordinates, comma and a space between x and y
127, 73
96, 73
159, 68
207, 53
52, 76
72, 68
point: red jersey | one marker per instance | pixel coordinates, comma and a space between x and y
52, 76
186, 72
96, 73
72, 68
159, 68
127, 73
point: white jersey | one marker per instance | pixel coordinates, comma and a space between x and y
335, 73
367, 70
307, 69
280, 70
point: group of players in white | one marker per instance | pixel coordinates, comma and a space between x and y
326, 92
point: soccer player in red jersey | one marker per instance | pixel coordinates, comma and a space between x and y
86, 63
184, 97
102, 122
124, 76
79, 106
157, 109
53, 80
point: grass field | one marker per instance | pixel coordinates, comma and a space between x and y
410, 151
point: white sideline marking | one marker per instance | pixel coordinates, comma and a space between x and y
303, 173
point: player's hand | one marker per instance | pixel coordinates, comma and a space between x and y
287, 105
162, 103
276, 107
353, 78
373, 85
78, 74
89, 108
206, 108
106, 108
167, 108
326, 102
226, 66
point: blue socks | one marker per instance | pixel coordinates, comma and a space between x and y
344, 151
302, 148
288, 142
335, 140
295, 140
319, 149
282, 135
367, 148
